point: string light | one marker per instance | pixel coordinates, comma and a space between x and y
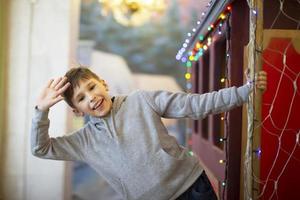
222, 16
191, 58
189, 86
223, 183
198, 45
183, 59
222, 161
210, 30
188, 76
257, 152
189, 64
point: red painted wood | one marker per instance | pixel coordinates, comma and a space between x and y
274, 149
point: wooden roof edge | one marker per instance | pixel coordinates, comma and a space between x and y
217, 7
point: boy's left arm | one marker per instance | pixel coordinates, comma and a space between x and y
181, 105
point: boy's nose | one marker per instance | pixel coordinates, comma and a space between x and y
91, 97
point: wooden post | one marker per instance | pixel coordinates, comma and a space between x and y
257, 99
252, 164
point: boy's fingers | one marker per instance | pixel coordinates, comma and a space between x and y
63, 89
59, 98
49, 83
262, 72
60, 83
261, 78
55, 82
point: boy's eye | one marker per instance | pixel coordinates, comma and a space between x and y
81, 99
92, 87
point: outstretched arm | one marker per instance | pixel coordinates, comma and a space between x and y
196, 106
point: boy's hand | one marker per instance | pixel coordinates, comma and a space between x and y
52, 93
261, 80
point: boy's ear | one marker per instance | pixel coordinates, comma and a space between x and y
78, 113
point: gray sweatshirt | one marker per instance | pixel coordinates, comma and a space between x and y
131, 147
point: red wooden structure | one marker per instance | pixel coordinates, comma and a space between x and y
225, 58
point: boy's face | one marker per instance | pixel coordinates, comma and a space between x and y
91, 98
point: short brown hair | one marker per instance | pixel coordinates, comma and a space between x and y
74, 75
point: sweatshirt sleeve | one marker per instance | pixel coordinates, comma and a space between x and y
196, 106
43, 146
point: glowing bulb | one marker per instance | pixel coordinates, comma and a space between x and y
223, 184
189, 86
191, 153
258, 152
191, 58
222, 16
201, 37
228, 7
189, 34
188, 63
187, 76
205, 47
198, 45
221, 161
222, 118
222, 80
183, 59
194, 30
254, 12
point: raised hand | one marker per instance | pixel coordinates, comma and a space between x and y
52, 93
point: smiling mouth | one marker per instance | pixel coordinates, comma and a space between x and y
98, 104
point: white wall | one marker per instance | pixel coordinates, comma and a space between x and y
42, 41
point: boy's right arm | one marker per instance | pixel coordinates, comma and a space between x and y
60, 148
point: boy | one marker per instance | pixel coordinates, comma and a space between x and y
125, 140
